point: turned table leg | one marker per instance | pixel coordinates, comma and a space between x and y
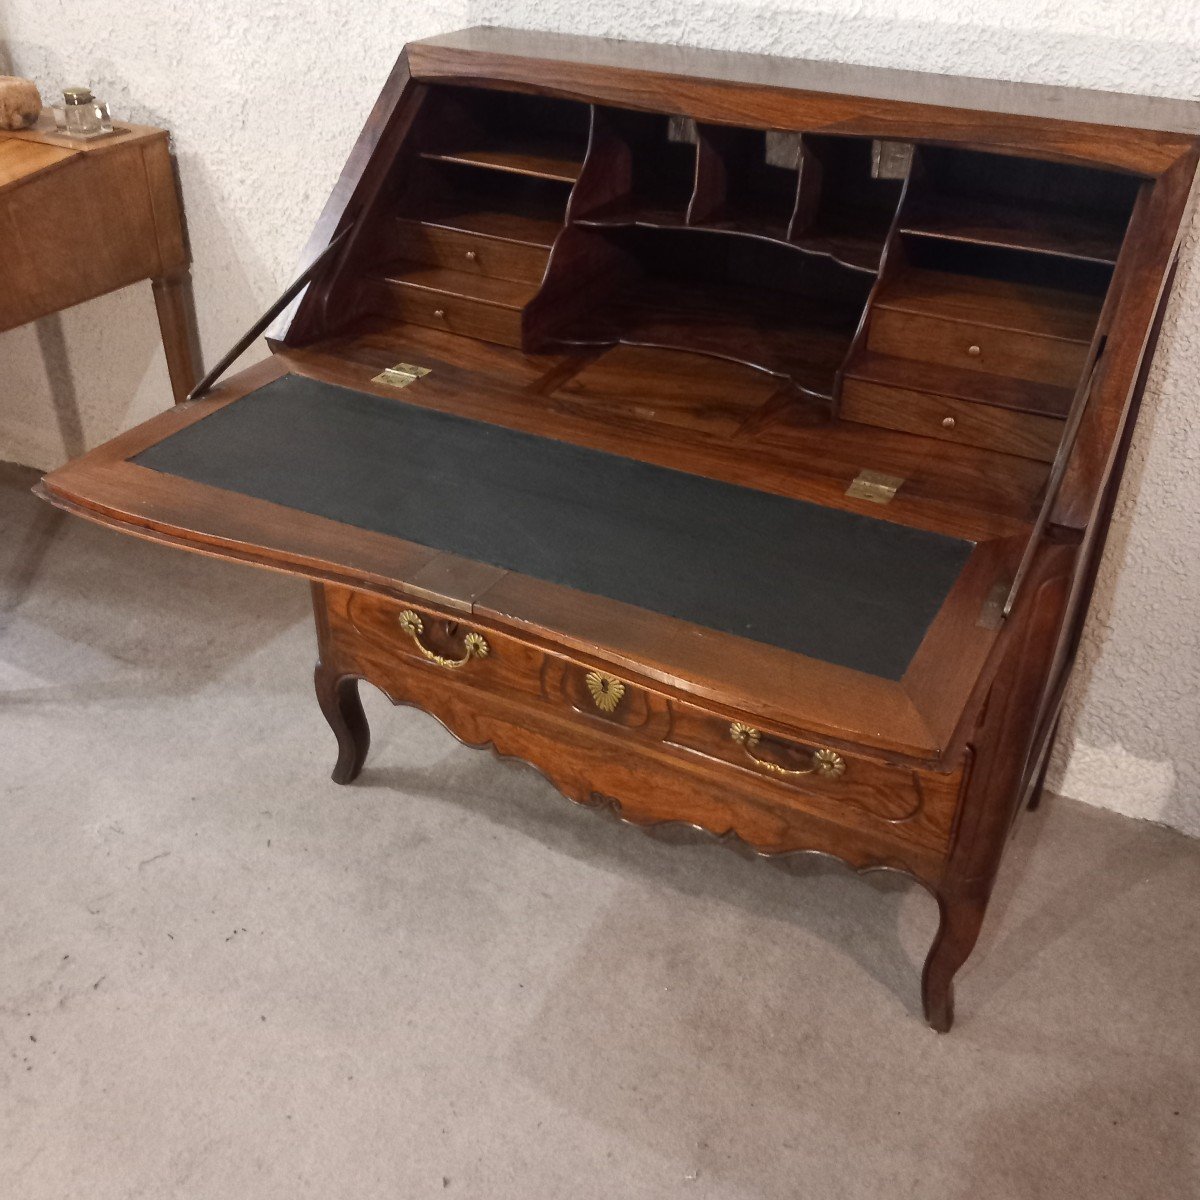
177, 323
338, 697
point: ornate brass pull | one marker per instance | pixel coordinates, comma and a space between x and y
474, 644
827, 763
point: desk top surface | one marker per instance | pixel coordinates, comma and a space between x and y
835, 586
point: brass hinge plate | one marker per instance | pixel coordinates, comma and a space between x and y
682, 129
891, 160
991, 615
401, 375
874, 486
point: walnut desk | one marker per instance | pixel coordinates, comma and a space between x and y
79, 219
733, 438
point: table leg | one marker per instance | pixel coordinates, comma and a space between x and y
177, 322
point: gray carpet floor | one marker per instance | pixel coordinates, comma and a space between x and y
223, 976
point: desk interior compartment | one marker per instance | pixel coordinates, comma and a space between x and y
1020, 203
747, 180
763, 303
536, 136
641, 170
843, 210
976, 343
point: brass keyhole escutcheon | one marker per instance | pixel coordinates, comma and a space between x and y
606, 690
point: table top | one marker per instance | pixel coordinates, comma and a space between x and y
25, 153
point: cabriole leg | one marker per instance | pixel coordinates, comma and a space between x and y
956, 936
339, 700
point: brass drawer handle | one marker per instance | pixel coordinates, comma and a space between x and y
474, 644
827, 763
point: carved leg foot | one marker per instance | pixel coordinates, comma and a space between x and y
961, 919
339, 701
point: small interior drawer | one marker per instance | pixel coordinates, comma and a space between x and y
472, 253
967, 422
974, 347
461, 314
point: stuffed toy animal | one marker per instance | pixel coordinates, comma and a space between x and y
20, 102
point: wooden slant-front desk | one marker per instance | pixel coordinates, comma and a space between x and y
733, 438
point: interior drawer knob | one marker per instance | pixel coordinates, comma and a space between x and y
471, 256
974, 351
947, 422
440, 313
824, 762
474, 644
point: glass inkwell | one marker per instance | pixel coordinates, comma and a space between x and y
82, 115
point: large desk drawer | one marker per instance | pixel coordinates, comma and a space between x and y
888, 792
389, 641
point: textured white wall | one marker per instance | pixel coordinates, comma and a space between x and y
265, 98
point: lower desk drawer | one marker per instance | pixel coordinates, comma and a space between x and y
386, 632
888, 792
387, 641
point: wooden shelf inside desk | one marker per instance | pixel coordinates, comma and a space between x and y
545, 160
1015, 227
